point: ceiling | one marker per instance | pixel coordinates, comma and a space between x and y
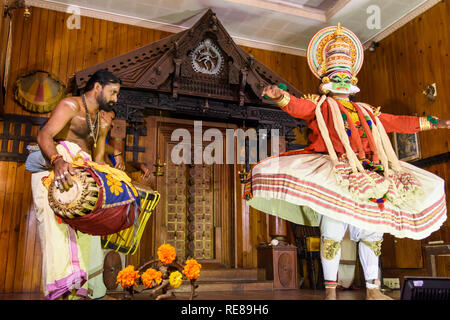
280, 25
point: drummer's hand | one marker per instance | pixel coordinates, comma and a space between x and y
146, 173
120, 162
62, 173
443, 124
105, 121
272, 92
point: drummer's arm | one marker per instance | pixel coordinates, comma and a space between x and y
115, 148
100, 150
61, 116
111, 150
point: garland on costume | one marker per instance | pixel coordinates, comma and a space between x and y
368, 180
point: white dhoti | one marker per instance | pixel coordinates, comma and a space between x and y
69, 257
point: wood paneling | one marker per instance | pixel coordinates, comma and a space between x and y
443, 265
4, 27
393, 77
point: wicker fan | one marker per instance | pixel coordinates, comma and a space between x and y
39, 91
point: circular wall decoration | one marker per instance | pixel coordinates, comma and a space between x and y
38, 91
207, 58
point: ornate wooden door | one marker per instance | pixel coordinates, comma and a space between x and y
196, 213
190, 209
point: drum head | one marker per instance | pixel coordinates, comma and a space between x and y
70, 197
111, 267
79, 200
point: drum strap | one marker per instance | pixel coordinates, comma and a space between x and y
96, 273
136, 217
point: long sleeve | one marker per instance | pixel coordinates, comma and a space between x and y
400, 124
300, 108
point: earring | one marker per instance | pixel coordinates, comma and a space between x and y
322, 90
325, 80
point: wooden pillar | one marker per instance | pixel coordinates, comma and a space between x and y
278, 226
278, 229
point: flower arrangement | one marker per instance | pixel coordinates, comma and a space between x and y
192, 269
161, 275
150, 275
127, 277
175, 279
166, 254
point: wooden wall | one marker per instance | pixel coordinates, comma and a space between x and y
394, 77
4, 24
44, 42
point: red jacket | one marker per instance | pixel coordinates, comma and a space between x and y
305, 109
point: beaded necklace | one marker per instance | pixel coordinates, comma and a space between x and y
92, 127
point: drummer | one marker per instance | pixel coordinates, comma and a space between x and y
69, 259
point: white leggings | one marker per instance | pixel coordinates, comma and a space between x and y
335, 230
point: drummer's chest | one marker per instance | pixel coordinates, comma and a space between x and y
79, 127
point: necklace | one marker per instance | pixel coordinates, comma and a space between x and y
342, 98
348, 105
92, 127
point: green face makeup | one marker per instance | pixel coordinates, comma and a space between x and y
341, 83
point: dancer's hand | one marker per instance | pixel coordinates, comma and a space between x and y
273, 92
443, 124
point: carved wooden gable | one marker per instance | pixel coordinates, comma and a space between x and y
202, 61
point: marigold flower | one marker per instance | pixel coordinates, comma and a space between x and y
149, 275
127, 277
192, 269
166, 253
175, 279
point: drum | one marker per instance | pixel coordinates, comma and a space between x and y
97, 204
127, 241
79, 200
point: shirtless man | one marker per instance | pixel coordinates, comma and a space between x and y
75, 128
76, 120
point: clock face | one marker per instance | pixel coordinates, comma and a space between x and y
207, 58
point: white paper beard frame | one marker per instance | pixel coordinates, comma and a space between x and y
329, 86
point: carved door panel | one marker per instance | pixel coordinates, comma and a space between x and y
200, 212
190, 209
175, 200
196, 215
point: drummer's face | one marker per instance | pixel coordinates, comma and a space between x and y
108, 95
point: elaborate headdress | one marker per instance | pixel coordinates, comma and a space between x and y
335, 50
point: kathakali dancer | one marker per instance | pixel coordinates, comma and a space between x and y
67, 186
349, 175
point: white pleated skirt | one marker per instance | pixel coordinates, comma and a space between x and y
297, 187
